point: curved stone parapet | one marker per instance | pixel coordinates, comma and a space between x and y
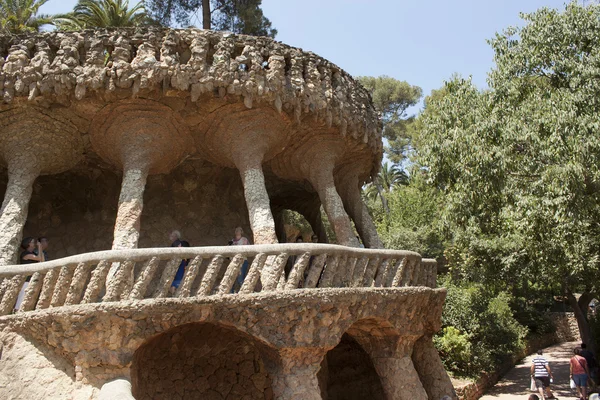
148, 273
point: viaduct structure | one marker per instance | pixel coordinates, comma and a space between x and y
112, 138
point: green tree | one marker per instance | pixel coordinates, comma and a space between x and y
102, 14
519, 163
238, 16
392, 98
390, 177
19, 16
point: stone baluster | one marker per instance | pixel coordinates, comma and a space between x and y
273, 272
47, 289
253, 274
210, 276
370, 270
330, 270
359, 271
400, 272
32, 292
92, 292
191, 272
11, 293
388, 278
294, 373
75, 294
314, 271
167, 277
61, 288
382, 272
141, 286
297, 272
233, 270
121, 282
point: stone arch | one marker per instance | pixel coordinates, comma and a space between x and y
201, 360
347, 370
385, 358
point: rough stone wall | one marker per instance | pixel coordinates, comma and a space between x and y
347, 373
26, 369
566, 327
199, 361
77, 209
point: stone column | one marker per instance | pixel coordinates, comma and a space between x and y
249, 163
131, 204
391, 356
431, 371
22, 172
322, 180
294, 373
350, 191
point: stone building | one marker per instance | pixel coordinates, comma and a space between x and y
111, 139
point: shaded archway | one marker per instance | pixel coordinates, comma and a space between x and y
347, 373
200, 361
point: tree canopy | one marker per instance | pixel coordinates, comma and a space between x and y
102, 14
20, 16
518, 163
238, 16
392, 98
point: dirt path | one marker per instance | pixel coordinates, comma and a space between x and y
515, 384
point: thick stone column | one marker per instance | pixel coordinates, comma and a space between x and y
350, 191
294, 373
131, 204
391, 357
249, 163
431, 371
22, 172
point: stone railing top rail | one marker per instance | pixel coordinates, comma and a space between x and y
65, 66
115, 275
290, 249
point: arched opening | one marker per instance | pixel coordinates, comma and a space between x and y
200, 361
347, 373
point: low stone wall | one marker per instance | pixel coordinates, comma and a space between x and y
566, 326
566, 331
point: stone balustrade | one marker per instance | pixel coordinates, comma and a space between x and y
148, 273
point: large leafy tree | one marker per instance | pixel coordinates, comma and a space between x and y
238, 16
102, 14
19, 16
520, 162
392, 98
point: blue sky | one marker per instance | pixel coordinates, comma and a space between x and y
421, 42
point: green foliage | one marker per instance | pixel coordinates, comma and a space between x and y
519, 163
102, 14
20, 16
238, 16
483, 319
392, 97
413, 220
388, 179
454, 348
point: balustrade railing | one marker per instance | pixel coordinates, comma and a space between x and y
119, 275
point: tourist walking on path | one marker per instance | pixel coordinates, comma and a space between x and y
591, 363
515, 385
579, 373
542, 375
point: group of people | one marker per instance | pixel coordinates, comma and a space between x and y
583, 370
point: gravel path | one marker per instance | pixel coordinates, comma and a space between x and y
515, 384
